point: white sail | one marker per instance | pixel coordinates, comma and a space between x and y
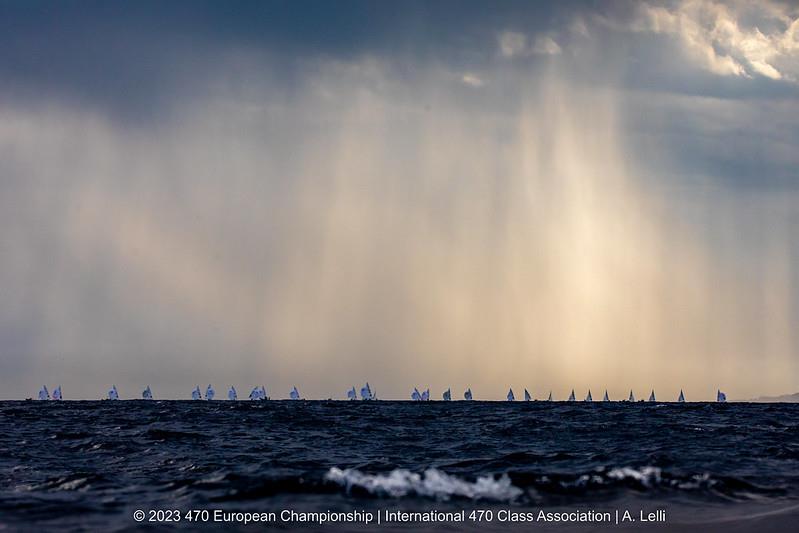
262, 394
415, 396
652, 396
351, 394
571, 396
527, 396
720, 396
147, 394
196, 394
681, 399
210, 393
426, 395
606, 398
57, 393
549, 399
44, 394
589, 398
231, 394
294, 394
631, 398
468, 394
511, 397
255, 393
113, 394
366, 392
447, 396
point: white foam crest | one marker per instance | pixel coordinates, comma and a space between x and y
432, 484
648, 476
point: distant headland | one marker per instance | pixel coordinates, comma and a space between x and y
785, 398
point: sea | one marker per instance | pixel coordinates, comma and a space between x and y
398, 466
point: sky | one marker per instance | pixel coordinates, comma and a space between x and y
556, 196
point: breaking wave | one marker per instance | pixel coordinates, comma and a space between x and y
519, 486
430, 484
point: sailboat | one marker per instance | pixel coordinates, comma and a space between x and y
351, 394
294, 394
255, 393
589, 398
44, 394
550, 396
681, 399
447, 395
631, 398
57, 393
262, 394
415, 396
113, 394
366, 393
652, 396
231, 394
147, 394
426, 395
210, 393
527, 396
196, 394
605, 397
720, 396
510, 395
468, 394
571, 396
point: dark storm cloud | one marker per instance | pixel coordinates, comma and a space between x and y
131, 56
138, 58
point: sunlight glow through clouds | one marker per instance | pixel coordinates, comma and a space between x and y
715, 35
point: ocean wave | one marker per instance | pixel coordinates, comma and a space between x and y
648, 476
430, 484
78, 481
641, 479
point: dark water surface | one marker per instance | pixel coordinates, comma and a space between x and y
90, 465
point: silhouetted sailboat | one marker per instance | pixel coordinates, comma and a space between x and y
652, 396
147, 394
57, 393
631, 398
720, 396
550, 396
605, 398
294, 394
196, 394
589, 398
426, 395
681, 399
447, 396
231, 394
44, 394
210, 393
467, 395
571, 397
415, 396
113, 394
527, 397
351, 394
510, 395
